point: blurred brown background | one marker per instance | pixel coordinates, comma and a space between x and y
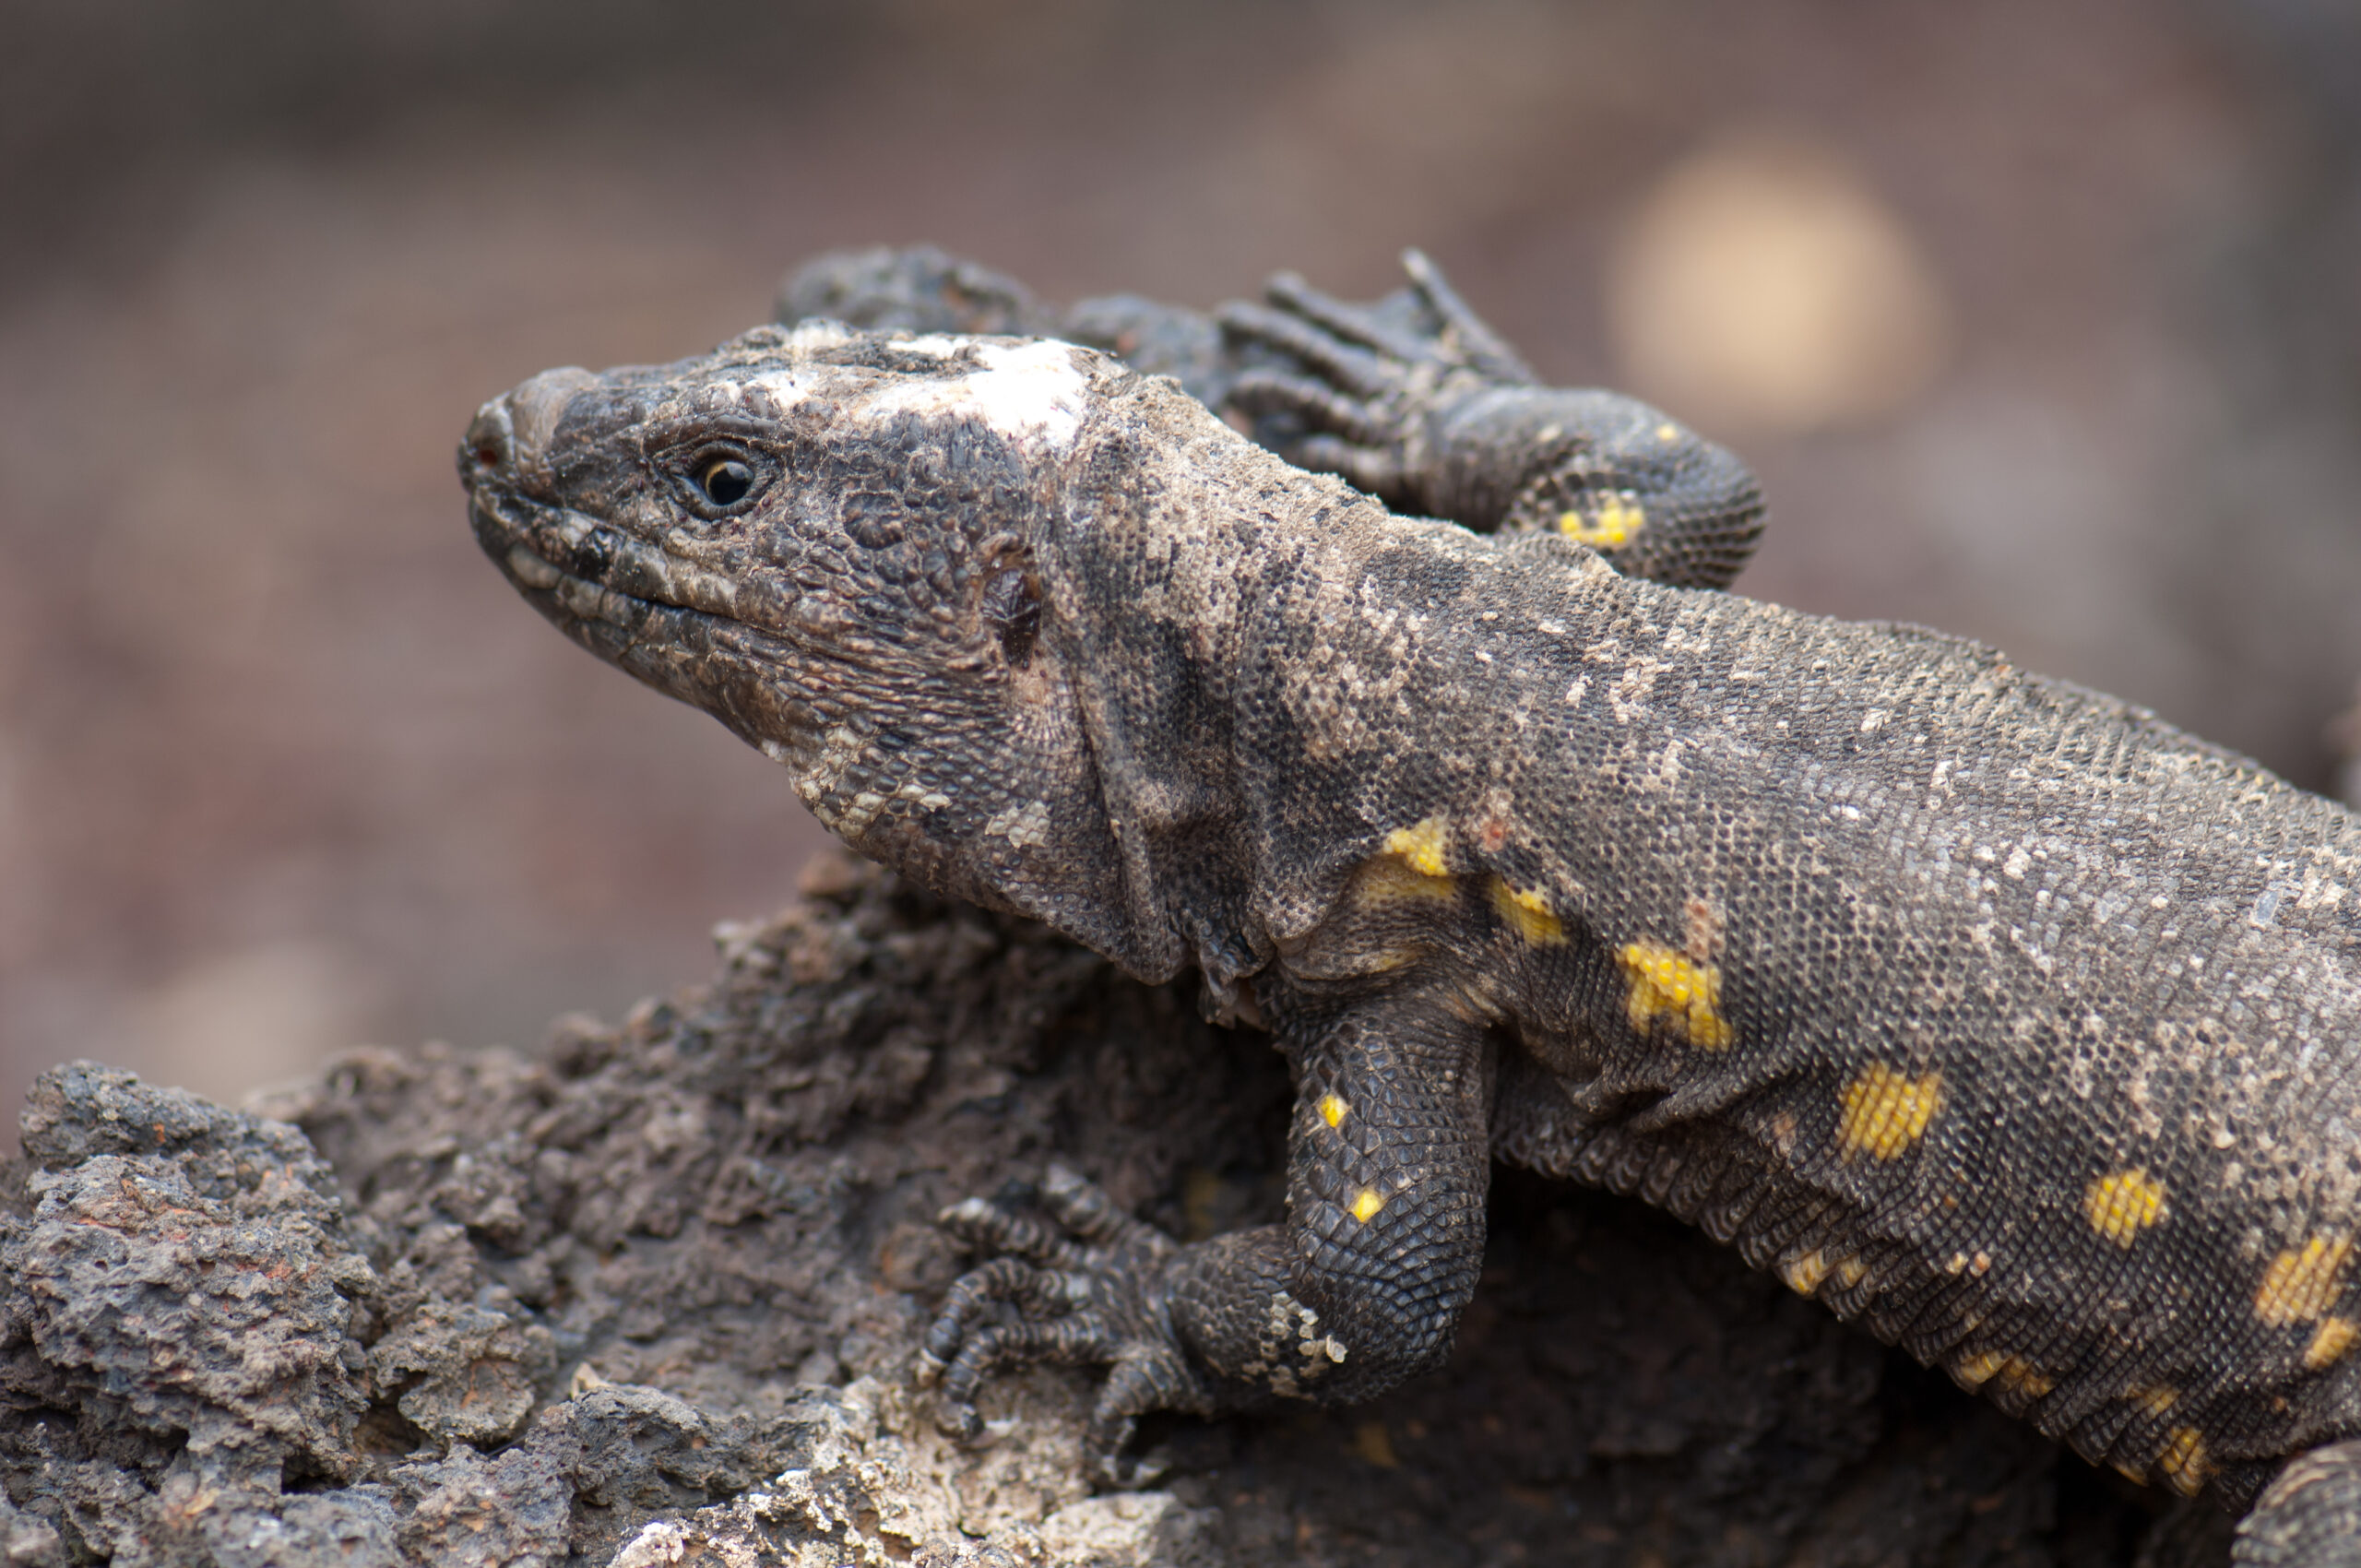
2040, 318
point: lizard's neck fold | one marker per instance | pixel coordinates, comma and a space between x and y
1152, 576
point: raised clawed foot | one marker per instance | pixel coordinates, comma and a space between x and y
1367, 375
1083, 1286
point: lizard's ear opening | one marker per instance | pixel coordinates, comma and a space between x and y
1012, 601
1013, 609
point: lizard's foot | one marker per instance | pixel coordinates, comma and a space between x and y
1369, 375
1086, 1288
1417, 401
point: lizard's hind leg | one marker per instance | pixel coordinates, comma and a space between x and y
1366, 325
1347, 411
2309, 1517
1416, 400
1359, 400
1353, 438
1351, 360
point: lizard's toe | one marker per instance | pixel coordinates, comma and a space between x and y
1073, 1283
1352, 369
988, 1348
1316, 404
1033, 1292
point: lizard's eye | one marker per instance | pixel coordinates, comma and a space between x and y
719, 479
725, 480
717, 476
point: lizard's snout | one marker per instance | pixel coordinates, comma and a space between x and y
507, 441
489, 450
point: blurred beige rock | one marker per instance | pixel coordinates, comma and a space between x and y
1763, 283
261, 1015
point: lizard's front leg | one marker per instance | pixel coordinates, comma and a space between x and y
1362, 1286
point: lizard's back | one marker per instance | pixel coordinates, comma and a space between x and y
1997, 1014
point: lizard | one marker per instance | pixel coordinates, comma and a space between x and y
2005, 1019
1415, 398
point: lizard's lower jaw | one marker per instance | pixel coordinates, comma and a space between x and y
749, 678
505, 526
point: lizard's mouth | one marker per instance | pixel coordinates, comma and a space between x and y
572, 569
548, 548
670, 623
576, 568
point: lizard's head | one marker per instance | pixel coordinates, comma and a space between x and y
829, 541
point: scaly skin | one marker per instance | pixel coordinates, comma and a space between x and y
2011, 1023
1415, 399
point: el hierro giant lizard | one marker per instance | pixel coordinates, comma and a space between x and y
2007, 1020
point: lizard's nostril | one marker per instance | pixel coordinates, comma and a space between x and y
489, 446
510, 433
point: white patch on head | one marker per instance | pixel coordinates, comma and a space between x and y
779, 389
1027, 390
818, 332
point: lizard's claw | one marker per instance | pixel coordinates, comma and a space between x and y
1085, 1287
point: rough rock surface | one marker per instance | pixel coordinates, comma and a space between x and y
652, 1297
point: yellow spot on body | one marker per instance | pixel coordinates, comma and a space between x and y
1617, 518
1976, 1371
1668, 432
2302, 1283
1851, 1272
1410, 867
2155, 1400
2121, 1205
1672, 988
1332, 1110
1366, 1205
1803, 1275
2025, 1378
2331, 1341
1421, 848
1374, 1444
2184, 1462
1886, 1112
1528, 914
1386, 880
